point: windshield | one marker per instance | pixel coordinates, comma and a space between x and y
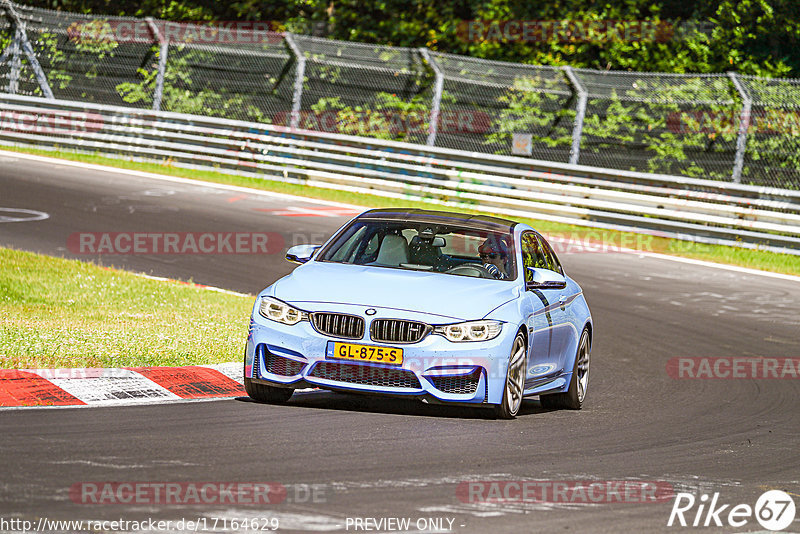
423, 246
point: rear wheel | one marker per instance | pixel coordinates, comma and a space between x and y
264, 393
515, 380
573, 398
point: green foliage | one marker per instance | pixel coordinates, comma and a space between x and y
182, 94
95, 41
759, 37
45, 45
773, 141
387, 117
532, 106
57, 76
639, 119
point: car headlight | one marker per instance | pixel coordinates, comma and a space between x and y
470, 331
281, 312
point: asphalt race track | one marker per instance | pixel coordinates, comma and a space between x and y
343, 456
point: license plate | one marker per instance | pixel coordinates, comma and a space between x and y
364, 353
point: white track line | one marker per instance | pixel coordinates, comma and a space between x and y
713, 265
258, 192
176, 179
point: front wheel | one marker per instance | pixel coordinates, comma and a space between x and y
573, 398
264, 393
515, 380
268, 394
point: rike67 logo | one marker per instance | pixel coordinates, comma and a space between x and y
774, 510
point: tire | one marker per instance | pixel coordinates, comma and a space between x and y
515, 380
574, 397
267, 394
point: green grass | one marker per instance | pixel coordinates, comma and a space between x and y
67, 313
755, 259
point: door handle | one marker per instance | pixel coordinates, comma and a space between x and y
562, 299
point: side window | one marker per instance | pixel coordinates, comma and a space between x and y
552, 261
532, 255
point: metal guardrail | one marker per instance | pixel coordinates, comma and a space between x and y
670, 206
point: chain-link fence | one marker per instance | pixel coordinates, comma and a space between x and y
484, 103
80, 58
773, 138
721, 127
363, 89
250, 81
663, 123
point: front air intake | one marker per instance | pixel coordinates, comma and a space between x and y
366, 375
278, 365
457, 385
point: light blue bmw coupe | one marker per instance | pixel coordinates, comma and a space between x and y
443, 307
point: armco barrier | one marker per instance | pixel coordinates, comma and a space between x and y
671, 206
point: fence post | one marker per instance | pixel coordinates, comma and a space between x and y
20, 43
580, 113
744, 125
436, 102
158, 93
297, 96
34, 63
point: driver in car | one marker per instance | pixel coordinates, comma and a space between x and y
493, 254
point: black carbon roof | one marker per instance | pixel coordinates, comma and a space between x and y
483, 222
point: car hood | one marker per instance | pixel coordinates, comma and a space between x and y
456, 297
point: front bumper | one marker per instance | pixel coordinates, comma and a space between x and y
434, 368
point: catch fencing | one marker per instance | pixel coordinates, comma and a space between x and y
722, 127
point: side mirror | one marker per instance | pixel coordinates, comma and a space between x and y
438, 242
301, 253
545, 279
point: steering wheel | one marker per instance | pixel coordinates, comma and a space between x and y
471, 269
